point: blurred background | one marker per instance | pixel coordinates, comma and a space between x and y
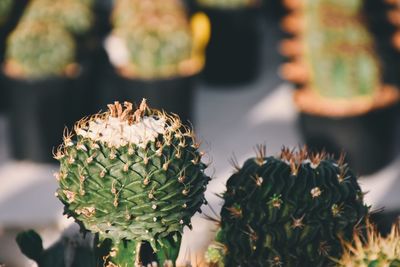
244, 72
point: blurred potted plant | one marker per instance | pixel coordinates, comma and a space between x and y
156, 53
41, 82
74, 15
5, 9
344, 103
234, 52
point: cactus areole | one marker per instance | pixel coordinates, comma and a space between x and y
131, 175
291, 210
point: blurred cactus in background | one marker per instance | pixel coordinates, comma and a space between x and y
393, 15
37, 50
155, 38
227, 3
333, 57
374, 251
74, 15
5, 9
125, 11
288, 211
135, 178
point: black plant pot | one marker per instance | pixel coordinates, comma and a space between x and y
368, 140
39, 110
173, 94
3, 96
274, 10
233, 55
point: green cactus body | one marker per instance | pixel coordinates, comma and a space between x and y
289, 211
339, 50
5, 9
75, 16
37, 50
227, 3
132, 176
126, 11
375, 251
158, 40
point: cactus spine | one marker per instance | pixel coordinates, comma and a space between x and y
37, 50
333, 57
376, 251
133, 177
288, 211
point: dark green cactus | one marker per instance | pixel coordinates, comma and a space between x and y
132, 177
289, 211
70, 251
37, 50
373, 251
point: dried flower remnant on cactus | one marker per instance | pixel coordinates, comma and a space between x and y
132, 174
305, 204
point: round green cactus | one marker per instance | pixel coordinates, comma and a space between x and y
5, 9
125, 11
37, 50
75, 16
228, 3
289, 211
375, 251
158, 41
132, 177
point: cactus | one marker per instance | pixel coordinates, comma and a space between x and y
157, 40
227, 3
288, 211
134, 178
37, 50
75, 16
125, 11
5, 9
333, 56
393, 15
376, 251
